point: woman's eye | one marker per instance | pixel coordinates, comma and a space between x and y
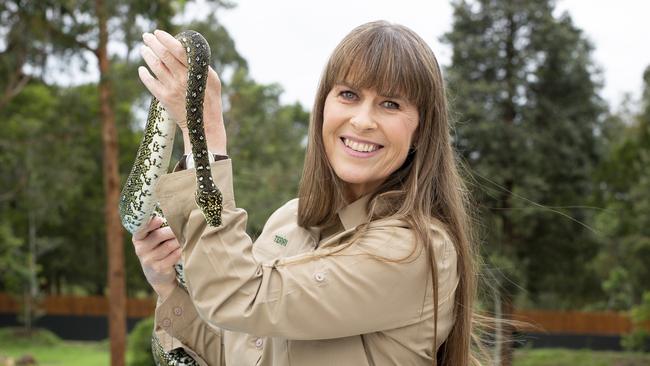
346, 94
390, 104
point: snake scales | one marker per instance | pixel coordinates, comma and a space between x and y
137, 201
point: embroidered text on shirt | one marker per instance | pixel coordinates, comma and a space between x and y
281, 240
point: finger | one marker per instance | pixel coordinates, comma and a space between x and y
162, 251
164, 54
156, 238
143, 248
153, 85
153, 224
174, 46
162, 72
172, 258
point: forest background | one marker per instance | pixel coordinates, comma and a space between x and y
559, 178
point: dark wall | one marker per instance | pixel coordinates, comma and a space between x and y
82, 328
573, 341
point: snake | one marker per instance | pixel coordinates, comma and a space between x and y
138, 202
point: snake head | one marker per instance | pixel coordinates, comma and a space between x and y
195, 44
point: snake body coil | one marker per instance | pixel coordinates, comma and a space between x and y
137, 201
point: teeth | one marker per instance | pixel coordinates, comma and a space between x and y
359, 146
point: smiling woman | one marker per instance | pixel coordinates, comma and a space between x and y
372, 264
366, 136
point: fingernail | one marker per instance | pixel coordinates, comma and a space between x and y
146, 35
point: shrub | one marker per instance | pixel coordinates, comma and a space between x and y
18, 337
639, 338
140, 343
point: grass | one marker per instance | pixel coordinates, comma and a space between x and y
48, 350
585, 357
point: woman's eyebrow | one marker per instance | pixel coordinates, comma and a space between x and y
344, 85
393, 96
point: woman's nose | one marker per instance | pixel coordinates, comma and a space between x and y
363, 119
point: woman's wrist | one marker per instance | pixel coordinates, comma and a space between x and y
214, 129
187, 146
215, 134
164, 290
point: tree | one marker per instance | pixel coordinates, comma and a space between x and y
527, 89
265, 137
34, 189
624, 182
82, 26
265, 140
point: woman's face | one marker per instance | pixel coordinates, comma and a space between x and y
366, 136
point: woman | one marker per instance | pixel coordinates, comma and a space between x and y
372, 265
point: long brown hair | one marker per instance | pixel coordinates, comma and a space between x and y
394, 60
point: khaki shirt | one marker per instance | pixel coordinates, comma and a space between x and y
292, 297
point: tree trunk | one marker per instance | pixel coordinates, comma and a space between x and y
506, 330
509, 115
32, 292
116, 279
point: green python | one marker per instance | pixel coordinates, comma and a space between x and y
138, 203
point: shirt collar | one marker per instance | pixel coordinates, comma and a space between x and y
355, 213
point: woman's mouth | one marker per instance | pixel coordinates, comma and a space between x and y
360, 149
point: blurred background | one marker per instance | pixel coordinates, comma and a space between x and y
550, 102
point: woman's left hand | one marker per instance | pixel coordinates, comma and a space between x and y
167, 59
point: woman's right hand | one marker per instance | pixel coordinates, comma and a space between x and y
158, 251
166, 57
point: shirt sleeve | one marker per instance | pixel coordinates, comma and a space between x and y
378, 283
177, 325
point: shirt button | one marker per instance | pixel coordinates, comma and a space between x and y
319, 276
259, 342
166, 323
178, 311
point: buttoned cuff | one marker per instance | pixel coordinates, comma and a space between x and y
174, 315
177, 325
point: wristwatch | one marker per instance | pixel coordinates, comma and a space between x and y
187, 161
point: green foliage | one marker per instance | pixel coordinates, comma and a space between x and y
224, 55
59, 353
624, 182
51, 156
265, 141
524, 86
139, 343
618, 288
12, 259
17, 337
639, 338
637, 341
584, 357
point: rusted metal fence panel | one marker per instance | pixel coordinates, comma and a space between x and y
538, 321
80, 306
